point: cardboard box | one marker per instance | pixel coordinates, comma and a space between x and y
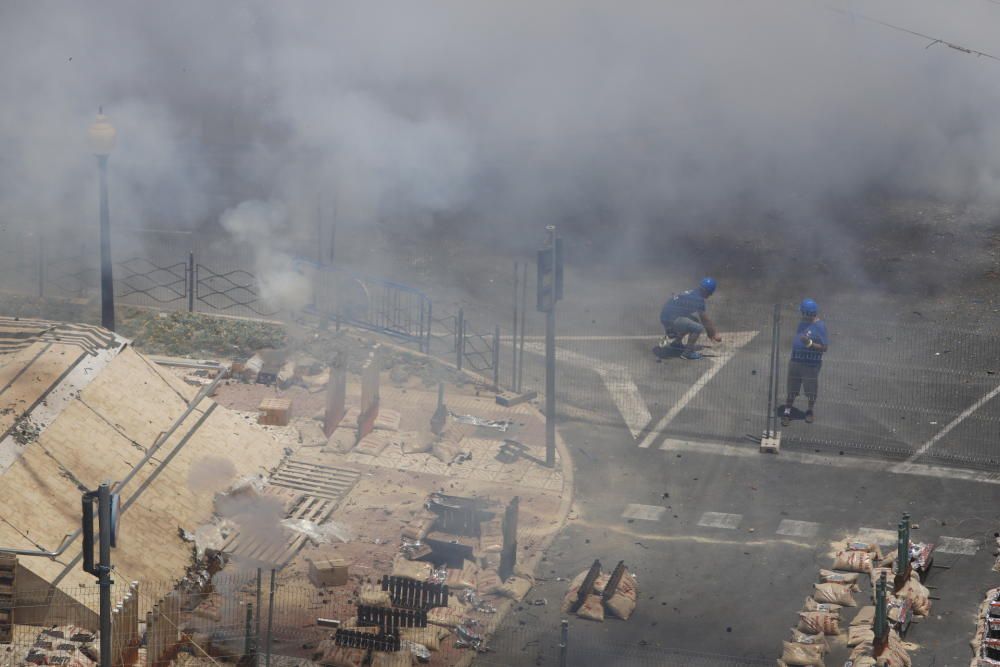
331, 572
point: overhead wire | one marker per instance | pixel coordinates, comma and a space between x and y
933, 40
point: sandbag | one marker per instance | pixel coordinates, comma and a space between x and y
374, 596
387, 420
418, 527
411, 569
849, 578
444, 451
801, 654
868, 547
331, 655
574, 589
856, 634
491, 536
465, 578
813, 640
834, 594
373, 444
818, 623
918, 595
853, 561
865, 616
402, 658
811, 605
592, 609
516, 587
621, 605
427, 636
414, 443
446, 617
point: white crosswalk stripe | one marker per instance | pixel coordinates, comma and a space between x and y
957, 545
720, 520
797, 528
643, 512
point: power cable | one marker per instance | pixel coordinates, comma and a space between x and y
932, 40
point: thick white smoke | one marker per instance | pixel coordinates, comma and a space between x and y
638, 121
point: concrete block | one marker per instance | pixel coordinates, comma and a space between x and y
510, 399
770, 443
331, 572
274, 412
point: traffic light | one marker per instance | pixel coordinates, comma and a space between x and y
547, 276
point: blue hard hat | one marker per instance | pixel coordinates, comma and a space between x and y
809, 307
708, 284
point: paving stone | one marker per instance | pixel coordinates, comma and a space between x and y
643, 512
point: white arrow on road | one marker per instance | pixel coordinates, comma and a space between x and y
731, 343
616, 378
623, 389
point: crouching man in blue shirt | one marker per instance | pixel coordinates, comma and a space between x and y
811, 341
684, 315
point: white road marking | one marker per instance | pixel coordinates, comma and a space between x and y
876, 535
643, 512
623, 389
750, 451
590, 338
734, 341
720, 520
951, 425
797, 528
957, 545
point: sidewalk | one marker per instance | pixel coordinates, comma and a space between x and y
393, 486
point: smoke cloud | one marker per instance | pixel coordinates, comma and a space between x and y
631, 124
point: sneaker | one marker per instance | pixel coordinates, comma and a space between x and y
677, 345
809, 417
664, 342
786, 417
692, 356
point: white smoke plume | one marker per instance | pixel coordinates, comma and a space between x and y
633, 123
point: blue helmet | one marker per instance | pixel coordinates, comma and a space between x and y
708, 284
809, 307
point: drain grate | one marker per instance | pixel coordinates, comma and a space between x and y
316, 479
320, 489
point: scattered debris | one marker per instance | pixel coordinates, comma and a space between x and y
499, 424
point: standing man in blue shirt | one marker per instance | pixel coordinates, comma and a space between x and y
684, 314
811, 341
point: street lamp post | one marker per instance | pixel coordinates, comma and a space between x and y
102, 140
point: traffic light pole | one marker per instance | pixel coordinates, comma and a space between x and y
101, 569
550, 363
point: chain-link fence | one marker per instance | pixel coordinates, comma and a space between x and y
909, 389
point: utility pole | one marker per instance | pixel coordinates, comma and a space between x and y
550, 290
107, 520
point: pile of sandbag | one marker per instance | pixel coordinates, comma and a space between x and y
986, 642
67, 645
600, 601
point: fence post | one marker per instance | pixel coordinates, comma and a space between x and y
460, 338
256, 634
496, 358
513, 340
430, 324
248, 632
41, 265
191, 282
770, 416
563, 643
270, 621
524, 317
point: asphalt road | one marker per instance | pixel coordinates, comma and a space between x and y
726, 542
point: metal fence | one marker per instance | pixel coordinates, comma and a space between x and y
907, 389
584, 644
250, 616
